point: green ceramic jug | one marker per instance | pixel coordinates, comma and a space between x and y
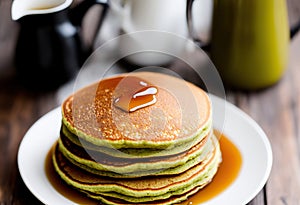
249, 41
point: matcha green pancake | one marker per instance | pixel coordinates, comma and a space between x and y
181, 115
139, 190
138, 138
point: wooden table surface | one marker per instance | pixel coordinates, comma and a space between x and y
276, 109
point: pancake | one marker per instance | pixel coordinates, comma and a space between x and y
172, 200
139, 190
181, 115
141, 138
96, 162
131, 152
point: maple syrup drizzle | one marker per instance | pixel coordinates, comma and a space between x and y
226, 174
228, 171
62, 187
134, 93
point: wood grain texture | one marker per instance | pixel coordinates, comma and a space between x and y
276, 110
19, 110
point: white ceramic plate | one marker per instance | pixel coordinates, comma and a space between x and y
239, 127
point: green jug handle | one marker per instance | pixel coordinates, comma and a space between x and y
191, 31
295, 29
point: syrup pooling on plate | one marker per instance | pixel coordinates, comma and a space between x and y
228, 172
133, 93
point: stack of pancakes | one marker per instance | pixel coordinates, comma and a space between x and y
159, 154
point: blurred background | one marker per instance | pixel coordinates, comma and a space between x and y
276, 108
9, 29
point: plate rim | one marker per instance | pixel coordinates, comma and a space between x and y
215, 101
262, 136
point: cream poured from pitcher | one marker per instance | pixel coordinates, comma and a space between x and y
22, 8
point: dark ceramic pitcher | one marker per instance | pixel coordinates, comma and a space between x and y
49, 49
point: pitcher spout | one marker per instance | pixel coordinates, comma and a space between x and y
22, 8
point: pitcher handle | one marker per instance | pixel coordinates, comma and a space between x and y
78, 12
295, 29
191, 30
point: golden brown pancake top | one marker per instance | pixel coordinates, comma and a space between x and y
181, 111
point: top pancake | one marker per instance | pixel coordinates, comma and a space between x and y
181, 114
